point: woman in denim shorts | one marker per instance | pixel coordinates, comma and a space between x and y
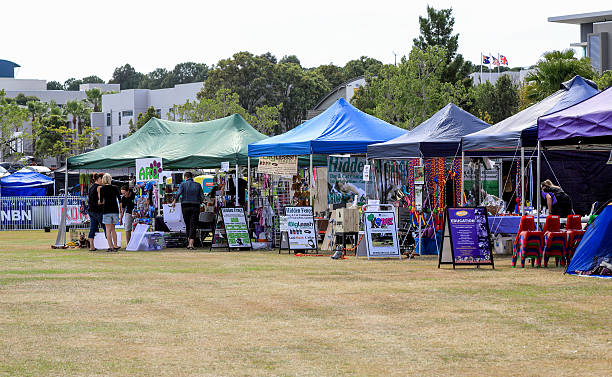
109, 198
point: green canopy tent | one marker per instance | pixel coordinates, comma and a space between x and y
181, 145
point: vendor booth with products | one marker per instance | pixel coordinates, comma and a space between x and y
178, 146
586, 128
514, 142
420, 173
342, 133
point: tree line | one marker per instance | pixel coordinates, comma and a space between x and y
274, 95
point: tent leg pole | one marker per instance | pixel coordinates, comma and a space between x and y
311, 182
462, 177
522, 181
248, 195
538, 184
60, 241
236, 184
366, 185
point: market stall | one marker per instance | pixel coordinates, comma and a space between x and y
178, 146
422, 171
341, 129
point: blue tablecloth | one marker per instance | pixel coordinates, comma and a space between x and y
504, 224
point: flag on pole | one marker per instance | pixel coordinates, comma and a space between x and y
495, 61
503, 60
486, 59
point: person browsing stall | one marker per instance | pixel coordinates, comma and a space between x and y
95, 210
191, 196
557, 201
126, 207
108, 198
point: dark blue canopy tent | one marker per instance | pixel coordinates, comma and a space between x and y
521, 129
25, 184
438, 136
341, 128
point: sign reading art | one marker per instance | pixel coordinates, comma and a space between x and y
278, 165
148, 169
236, 228
470, 241
381, 234
301, 228
346, 179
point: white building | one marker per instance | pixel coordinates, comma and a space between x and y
119, 108
517, 77
345, 90
38, 88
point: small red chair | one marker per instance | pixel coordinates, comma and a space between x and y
554, 241
574, 233
528, 243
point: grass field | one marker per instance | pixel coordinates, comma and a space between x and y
179, 313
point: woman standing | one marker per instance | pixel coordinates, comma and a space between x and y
125, 209
95, 210
108, 198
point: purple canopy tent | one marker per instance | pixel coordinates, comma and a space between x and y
587, 124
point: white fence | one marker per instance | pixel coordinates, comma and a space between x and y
35, 212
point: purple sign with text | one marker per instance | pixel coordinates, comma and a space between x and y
469, 235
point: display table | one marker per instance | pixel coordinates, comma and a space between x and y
504, 224
510, 224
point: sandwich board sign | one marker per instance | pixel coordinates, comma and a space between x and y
469, 236
301, 228
236, 228
381, 233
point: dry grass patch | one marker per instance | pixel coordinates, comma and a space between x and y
71, 312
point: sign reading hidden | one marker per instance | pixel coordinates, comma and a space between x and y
278, 165
148, 169
470, 242
301, 228
381, 234
236, 228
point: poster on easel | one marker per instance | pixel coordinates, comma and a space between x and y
301, 228
381, 234
236, 228
469, 236
219, 238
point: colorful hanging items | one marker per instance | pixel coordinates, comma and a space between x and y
519, 183
457, 169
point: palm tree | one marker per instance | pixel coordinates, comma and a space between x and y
94, 96
551, 71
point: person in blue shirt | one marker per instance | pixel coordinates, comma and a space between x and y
191, 196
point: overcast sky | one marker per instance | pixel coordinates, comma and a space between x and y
55, 40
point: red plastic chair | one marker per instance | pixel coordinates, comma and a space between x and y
555, 241
574, 233
528, 243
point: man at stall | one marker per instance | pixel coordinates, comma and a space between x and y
191, 195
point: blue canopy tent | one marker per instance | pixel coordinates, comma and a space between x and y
520, 131
438, 136
25, 184
341, 129
595, 246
